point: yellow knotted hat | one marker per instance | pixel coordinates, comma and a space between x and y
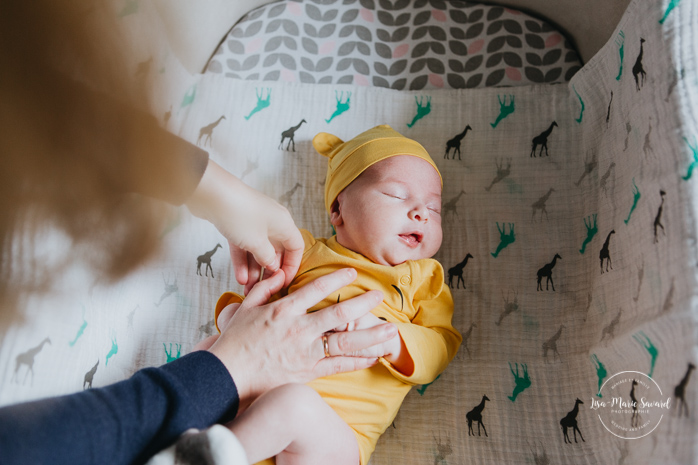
347, 160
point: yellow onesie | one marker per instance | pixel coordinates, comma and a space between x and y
416, 298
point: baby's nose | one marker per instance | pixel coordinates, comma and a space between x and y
419, 213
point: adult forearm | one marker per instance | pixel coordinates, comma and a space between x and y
122, 423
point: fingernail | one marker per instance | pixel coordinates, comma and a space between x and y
390, 330
351, 272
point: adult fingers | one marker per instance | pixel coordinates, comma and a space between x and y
264, 254
253, 273
342, 313
361, 343
226, 314
312, 293
240, 264
263, 290
293, 247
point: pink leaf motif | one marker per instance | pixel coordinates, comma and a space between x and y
436, 80
438, 15
553, 40
513, 12
287, 75
513, 73
476, 46
360, 80
294, 8
401, 50
253, 45
367, 15
326, 47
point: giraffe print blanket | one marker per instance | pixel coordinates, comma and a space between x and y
569, 241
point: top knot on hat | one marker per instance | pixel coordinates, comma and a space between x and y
347, 160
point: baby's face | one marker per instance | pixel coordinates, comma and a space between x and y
392, 212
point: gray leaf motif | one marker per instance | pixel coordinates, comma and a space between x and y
534, 60
251, 30
276, 10
436, 32
473, 63
457, 16
553, 74
249, 63
474, 30
322, 65
289, 26
422, 17
532, 26
359, 65
552, 57
276, 42
512, 27
424, 47
349, 16
534, 74
286, 60
236, 47
494, 78
314, 13
496, 44
512, 59
310, 46
495, 13
383, 51
476, 16
458, 48
535, 41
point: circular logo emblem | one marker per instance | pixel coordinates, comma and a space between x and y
630, 405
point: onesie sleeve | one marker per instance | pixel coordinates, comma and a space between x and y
430, 338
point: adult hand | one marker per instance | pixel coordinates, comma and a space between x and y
260, 232
267, 345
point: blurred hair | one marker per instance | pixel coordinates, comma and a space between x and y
60, 167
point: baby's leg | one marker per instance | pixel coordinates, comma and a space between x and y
293, 423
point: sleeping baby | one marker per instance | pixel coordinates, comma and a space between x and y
383, 195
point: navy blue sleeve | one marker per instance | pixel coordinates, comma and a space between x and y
123, 423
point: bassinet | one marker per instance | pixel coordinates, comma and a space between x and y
569, 242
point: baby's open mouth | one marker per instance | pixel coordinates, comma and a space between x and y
412, 239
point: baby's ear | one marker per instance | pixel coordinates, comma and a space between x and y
336, 213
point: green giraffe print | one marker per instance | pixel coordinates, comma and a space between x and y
645, 342
673, 4
504, 238
262, 102
636, 197
114, 349
188, 96
81, 330
522, 382
422, 110
170, 357
695, 159
130, 8
620, 41
592, 229
600, 372
581, 112
423, 388
504, 109
341, 106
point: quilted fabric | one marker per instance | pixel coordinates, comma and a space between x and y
569, 219
401, 45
